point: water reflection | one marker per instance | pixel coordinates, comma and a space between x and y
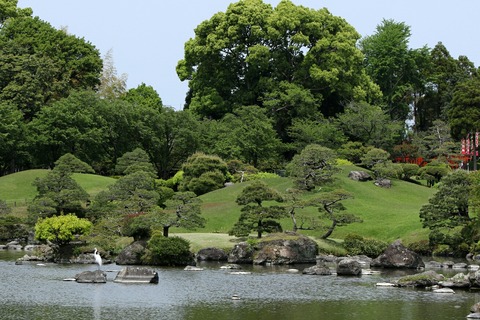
34, 292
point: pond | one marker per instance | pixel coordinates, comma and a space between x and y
32, 291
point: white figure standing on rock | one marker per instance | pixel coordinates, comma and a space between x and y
98, 258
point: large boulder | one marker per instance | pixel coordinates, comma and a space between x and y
349, 267
398, 256
285, 249
242, 253
132, 254
96, 276
211, 254
137, 275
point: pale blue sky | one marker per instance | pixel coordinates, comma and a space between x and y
147, 36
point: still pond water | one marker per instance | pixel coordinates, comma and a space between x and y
30, 291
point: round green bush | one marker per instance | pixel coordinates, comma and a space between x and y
171, 251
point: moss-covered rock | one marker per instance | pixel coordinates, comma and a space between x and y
421, 280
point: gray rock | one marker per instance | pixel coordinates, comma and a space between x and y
421, 280
364, 261
211, 254
242, 253
474, 316
97, 276
460, 265
349, 267
291, 249
433, 265
137, 275
359, 176
132, 254
459, 280
317, 270
474, 278
322, 259
384, 183
398, 256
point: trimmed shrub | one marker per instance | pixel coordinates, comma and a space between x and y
172, 251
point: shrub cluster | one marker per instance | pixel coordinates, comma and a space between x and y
358, 245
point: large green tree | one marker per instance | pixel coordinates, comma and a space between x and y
58, 192
447, 212
39, 64
290, 59
182, 210
246, 134
394, 66
12, 139
464, 112
70, 125
370, 125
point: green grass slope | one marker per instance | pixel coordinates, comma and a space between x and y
387, 214
18, 188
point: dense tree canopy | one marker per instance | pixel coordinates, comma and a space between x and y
52, 62
290, 59
393, 65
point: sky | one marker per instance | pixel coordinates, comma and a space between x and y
147, 37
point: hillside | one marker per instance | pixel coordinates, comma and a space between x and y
17, 188
387, 214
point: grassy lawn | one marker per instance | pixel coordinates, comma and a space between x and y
17, 189
387, 214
